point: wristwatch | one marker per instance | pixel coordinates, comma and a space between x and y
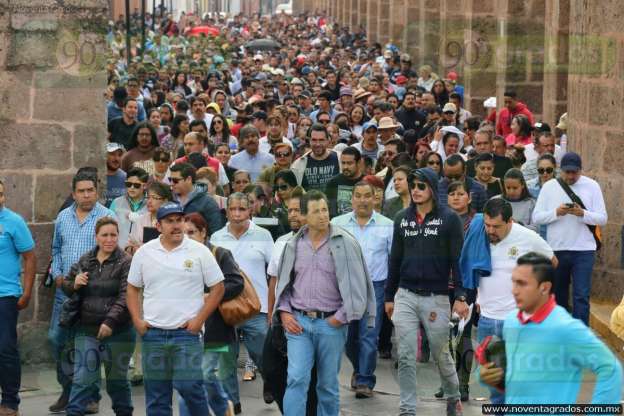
461, 298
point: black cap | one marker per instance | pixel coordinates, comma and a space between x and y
571, 162
259, 115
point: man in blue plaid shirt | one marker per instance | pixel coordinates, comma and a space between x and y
74, 235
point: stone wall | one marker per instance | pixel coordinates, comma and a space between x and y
559, 55
52, 121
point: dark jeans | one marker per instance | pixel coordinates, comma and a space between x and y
173, 359
114, 354
10, 369
385, 335
575, 267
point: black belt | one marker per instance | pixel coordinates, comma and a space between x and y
424, 292
316, 314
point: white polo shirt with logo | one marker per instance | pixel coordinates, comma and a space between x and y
494, 296
173, 281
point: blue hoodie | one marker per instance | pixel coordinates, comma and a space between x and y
475, 260
423, 255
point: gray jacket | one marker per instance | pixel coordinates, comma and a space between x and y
354, 283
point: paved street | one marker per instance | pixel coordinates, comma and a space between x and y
385, 402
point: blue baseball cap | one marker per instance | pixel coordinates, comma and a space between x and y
571, 162
168, 209
370, 124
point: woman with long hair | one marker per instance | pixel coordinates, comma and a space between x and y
175, 139
520, 131
220, 132
440, 93
516, 192
179, 85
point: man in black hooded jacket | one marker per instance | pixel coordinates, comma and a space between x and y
425, 251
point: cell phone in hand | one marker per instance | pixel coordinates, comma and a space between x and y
569, 205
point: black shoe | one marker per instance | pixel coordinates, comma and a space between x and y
267, 394
353, 384
363, 392
92, 408
463, 391
60, 405
439, 394
454, 408
385, 354
237, 409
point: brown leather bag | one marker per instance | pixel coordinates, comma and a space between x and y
244, 306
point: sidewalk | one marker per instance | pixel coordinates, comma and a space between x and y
41, 390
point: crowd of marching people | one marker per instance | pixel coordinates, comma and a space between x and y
284, 183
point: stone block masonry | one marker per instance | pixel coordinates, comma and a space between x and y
52, 121
559, 55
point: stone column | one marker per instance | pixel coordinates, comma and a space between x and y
596, 125
383, 22
556, 60
411, 40
479, 54
362, 14
52, 121
520, 51
451, 46
371, 20
398, 21
430, 32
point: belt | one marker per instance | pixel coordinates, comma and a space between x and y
424, 292
316, 314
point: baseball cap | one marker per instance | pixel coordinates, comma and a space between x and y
401, 80
406, 58
370, 124
571, 162
261, 115
167, 209
449, 108
306, 93
346, 90
541, 126
113, 147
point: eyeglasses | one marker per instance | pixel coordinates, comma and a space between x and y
281, 154
283, 187
175, 181
134, 185
433, 162
541, 171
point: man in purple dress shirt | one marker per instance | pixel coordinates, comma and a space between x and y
323, 284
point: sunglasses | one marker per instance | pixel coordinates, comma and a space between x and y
134, 185
161, 159
541, 171
175, 181
420, 185
281, 154
283, 187
217, 122
433, 162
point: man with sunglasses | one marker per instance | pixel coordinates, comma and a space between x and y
283, 159
130, 206
426, 246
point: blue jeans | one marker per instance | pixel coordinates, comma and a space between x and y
488, 326
575, 266
362, 340
61, 340
173, 359
322, 344
215, 394
114, 353
10, 368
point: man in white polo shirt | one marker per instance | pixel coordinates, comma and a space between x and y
251, 246
508, 241
172, 271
